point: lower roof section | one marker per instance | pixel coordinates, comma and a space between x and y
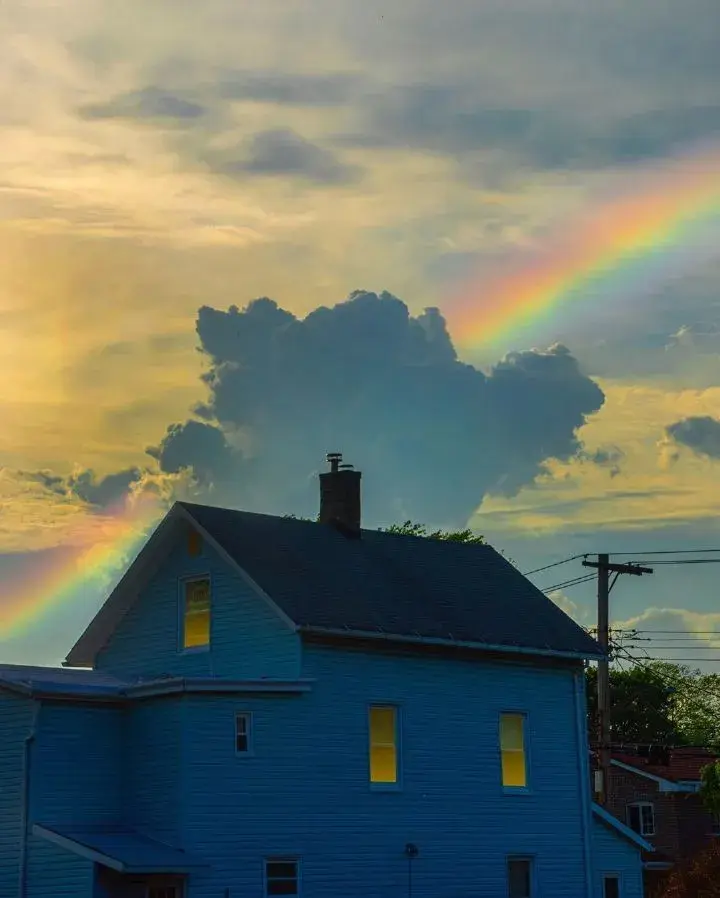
119, 848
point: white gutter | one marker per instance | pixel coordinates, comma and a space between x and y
25, 802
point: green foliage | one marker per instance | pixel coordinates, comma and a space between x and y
660, 703
450, 536
710, 789
698, 877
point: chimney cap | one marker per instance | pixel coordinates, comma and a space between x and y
334, 459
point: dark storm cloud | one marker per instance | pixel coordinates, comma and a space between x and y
284, 152
433, 435
99, 493
700, 433
287, 88
214, 461
148, 103
454, 120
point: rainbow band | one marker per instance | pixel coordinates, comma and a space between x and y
56, 578
620, 247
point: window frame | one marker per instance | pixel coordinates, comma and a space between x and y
640, 805
530, 860
250, 734
397, 785
527, 788
282, 859
182, 599
611, 875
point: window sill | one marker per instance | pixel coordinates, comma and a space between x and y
517, 790
385, 787
194, 650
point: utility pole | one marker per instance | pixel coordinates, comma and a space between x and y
604, 568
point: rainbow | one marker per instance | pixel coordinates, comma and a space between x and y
86, 564
659, 225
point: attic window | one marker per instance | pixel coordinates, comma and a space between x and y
194, 543
196, 613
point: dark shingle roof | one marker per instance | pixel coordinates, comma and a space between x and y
404, 586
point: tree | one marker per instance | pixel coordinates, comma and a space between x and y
450, 536
697, 878
710, 789
641, 706
659, 702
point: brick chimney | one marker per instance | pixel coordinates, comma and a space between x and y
340, 496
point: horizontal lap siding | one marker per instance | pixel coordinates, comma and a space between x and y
76, 766
15, 722
248, 639
612, 853
53, 871
151, 767
306, 790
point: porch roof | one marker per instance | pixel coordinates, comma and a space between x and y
119, 848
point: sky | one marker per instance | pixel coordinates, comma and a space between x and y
236, 236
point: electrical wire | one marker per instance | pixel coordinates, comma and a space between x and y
554, 564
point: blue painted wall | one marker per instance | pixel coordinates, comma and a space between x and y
53, 871
305, 791
76, 765
151, 767
15, 722
614, 854
248, 640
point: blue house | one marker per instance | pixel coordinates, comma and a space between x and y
272, 707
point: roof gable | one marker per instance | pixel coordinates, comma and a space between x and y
619, 827
146, 564
395, 586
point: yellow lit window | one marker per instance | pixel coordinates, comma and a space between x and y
512, 748
383, 745
196, 619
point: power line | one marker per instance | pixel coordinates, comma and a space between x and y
584, 578
671, 552
554, 564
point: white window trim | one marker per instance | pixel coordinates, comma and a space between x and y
282, 859
610, 874
640, 805
525, 751
379, 786
182, 598
247, 715
531, 862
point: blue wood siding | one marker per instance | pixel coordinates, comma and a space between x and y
151, 767
76, 764
53, 871
305, 790
613, 854
248, 640
15, 722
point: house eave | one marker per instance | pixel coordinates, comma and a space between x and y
664, 785
401, 639
621, 828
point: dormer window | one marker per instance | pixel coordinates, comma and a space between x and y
196, 613
641, 818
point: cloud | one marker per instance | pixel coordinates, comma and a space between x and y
281, 151
147, 103
288, 88
366, 378
700, 433
566, 604
100, 493
605, 457
452, 119
679, 635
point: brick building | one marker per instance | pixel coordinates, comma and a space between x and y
655, 791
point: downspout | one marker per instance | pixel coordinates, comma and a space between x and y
584, 771
25, 802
